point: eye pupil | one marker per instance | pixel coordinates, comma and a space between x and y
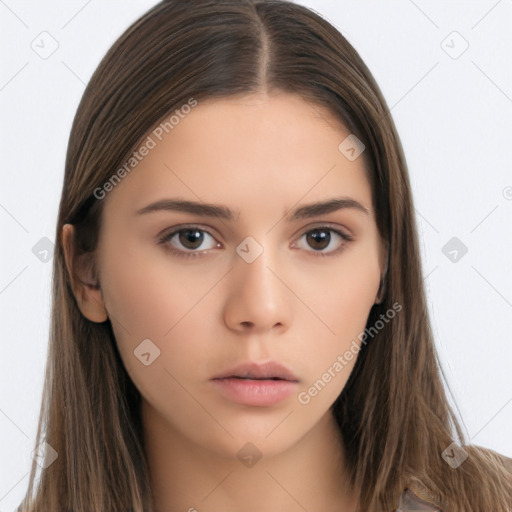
191, 236
319, 235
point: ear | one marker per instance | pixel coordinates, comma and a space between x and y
382, 290
384, 261
84, 282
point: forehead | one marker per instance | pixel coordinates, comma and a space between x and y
247, 148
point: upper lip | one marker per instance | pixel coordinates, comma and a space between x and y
263, 370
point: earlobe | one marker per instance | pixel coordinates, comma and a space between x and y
86, 289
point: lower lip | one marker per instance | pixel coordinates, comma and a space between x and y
255, 392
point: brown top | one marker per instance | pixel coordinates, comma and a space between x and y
417, 497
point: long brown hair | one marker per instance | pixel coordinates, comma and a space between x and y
393, 413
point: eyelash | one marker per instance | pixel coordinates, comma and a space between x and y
165, 239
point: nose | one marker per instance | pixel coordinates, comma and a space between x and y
258, 299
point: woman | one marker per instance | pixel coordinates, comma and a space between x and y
239, 318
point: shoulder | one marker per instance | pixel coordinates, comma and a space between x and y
422, 494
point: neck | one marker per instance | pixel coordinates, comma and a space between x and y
310, 475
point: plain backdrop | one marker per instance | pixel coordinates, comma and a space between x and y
445, 69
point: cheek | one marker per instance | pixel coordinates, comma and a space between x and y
148, 297
149, 292
341, 300
341, 294
356, 291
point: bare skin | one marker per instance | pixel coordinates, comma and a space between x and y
262, 156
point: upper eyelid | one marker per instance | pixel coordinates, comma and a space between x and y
200, 227
326, 225
176, 229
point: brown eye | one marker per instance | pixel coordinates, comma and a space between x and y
191, 238
322, 238
188, 241
318, 239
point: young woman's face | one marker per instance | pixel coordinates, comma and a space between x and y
269, 281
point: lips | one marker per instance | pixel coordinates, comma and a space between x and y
256, 384
269, 370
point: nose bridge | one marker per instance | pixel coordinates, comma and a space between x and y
257, 297
252, 266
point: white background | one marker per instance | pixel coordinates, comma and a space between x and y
454, 117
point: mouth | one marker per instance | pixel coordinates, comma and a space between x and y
253, 384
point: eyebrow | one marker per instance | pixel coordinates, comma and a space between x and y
223, 212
